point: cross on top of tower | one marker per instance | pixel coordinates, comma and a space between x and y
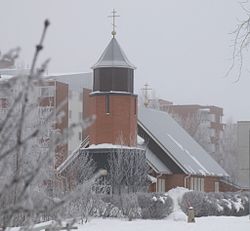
146, 90
114, 15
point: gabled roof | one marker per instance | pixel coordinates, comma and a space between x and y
178, 144
113, 56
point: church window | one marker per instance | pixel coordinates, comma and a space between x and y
197, 183
161, 185
47, 91
107, 104
216, 186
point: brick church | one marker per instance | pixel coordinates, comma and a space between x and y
174, 158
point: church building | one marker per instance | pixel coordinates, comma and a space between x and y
173, 157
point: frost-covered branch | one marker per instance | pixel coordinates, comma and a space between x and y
29, 145
240, 45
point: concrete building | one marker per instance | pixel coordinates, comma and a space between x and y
243, 131
53, 97
76, 83
205, 119
47, 97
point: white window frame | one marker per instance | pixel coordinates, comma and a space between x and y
161, 185
216, 186
48, 91
197, 183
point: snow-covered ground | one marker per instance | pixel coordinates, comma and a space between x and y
176, 221
201, 224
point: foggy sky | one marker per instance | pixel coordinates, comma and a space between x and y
180, 48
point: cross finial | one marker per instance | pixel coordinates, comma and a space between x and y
146, 90
114, 15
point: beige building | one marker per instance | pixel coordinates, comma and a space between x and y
203, 123
243, 131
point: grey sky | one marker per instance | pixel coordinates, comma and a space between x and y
181, 48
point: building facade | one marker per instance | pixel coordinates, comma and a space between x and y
200, 121
47, 100
243, 135
53, 98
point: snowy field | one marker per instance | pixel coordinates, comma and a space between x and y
201, 224
176, 221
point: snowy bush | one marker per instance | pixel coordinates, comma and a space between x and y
139, 205
216, 204
110, 206
130, 206
154, 205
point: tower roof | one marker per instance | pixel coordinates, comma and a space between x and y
113, 56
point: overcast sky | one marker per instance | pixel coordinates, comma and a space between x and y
180, 48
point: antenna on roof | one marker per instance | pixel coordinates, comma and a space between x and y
114, 15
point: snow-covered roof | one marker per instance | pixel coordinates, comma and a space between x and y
109, 146
155, 163
178, 144
68, 160
83, 147
14, 71
5, 77
113, 56
152, 179
76, 81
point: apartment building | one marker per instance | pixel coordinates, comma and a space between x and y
48, 98
204, 120
243, 135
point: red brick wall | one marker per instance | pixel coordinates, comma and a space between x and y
225, 187
177, 180
171, 181
209, 184
118, 125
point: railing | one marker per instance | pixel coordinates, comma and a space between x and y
85, 142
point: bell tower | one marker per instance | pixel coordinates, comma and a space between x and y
113, 101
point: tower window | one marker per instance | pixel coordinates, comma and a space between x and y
107, 104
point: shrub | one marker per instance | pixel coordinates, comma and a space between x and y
216, 204
155, 205
130, 206
108, 206
139, 205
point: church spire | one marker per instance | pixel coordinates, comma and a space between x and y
113, 55
114, 15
